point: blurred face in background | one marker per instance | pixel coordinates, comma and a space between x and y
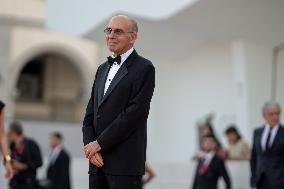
209, 144
54, 141
12, 136
205, 131
272, 116
232, 137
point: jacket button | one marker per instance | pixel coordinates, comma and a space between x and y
98, 116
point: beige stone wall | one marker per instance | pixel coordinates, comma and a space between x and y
31, 10
74, 72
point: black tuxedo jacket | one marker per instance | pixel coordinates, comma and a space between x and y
209, 180
118, 119
269, 163
58, 172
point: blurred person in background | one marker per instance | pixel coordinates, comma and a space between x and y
267, 160
238, 148
207, 130
58, 172
4, 145
26, 158
210, 167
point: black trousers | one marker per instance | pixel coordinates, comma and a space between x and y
104, 181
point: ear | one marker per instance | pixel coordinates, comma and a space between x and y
133, 37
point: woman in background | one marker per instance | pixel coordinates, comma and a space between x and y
238, 148
4, 144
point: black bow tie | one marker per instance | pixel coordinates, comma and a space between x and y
111, 60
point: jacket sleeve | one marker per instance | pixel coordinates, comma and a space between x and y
194, 185
225, 175
253, 162
35, 158
88, 125
137, 110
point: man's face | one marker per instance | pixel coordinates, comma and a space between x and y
208, 144
119, 43
272, 116
12, 136
53, 141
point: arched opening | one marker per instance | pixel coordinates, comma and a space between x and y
50, 87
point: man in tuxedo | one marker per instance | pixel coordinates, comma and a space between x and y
115, 123
267, 161
210, 166
59, 161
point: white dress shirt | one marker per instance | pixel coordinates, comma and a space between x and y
115, 67
265, 135
54, 154
207, 157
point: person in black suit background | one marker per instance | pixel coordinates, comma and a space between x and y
267, 161
210, 167
26, 158
115, 123
58, 172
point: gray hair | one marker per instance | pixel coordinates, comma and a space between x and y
134, 25
270, 104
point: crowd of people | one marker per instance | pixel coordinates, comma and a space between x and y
23, 157
212, 155
238, 149
266, 156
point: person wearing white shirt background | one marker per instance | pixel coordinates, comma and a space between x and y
210, 166
58, 172
267, 161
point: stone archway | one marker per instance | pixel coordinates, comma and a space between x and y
49, 88
56, 107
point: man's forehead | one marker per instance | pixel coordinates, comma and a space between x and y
119, 22
272, 109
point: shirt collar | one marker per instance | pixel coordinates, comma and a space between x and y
125, 55
208, 156
275, 128
57, 149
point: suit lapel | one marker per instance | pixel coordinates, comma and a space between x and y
102, 84
117, 78
277, 137
259, 139
122, 72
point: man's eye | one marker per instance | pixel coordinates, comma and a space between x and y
118, 31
